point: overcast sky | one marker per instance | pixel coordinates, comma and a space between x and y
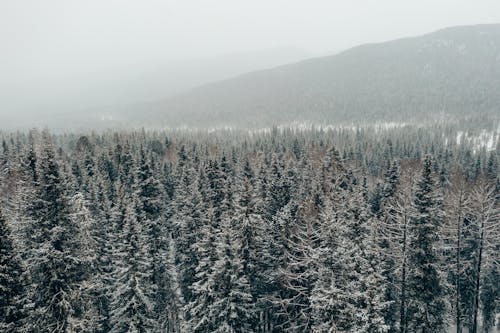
49, 40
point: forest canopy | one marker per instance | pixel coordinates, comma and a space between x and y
284, 230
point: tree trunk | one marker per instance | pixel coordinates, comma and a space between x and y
457, 300
457, 284
402, 323
478, 278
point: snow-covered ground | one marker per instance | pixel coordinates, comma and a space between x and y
485, 139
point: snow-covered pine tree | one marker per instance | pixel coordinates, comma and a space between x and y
392, 235
298, 272
53, 261
132, 307
276, 235
212, 184
329, 304
249, 232
486, 214
233, 308
86, 316
388, 236
125, 161
188, 219
426, 293
278, 189
105, 236
11, 284
202, 289
207, 249
214, 188
458, 256
150, 205
349, 293
18, 192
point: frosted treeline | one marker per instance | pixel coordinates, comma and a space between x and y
281, 231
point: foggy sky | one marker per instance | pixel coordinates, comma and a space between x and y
47, 45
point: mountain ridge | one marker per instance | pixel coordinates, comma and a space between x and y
451, 72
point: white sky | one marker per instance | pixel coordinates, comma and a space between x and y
44, 39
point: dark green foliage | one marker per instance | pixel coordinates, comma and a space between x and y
11, 284
54, 265
427, 305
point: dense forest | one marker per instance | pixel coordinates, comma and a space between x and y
279, 230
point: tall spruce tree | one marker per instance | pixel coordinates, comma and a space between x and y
149, 211
248, 226
133, 306
11, 285
486, 214
232, 309
298, 272
53, 261
197, 317
349, 294
87, 315
426, 292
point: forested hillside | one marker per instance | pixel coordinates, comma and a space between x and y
446, 75
340, 230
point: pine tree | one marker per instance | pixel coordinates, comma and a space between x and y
105, 237
393, 239
11, 285
133, 294
53, 262
150, 204
297, 274
232, 309
329, 304
276, 235
202, 288
388, 236
460, 263
485, 218
249, 233
187, 220
426, 293
86, 316
349, 294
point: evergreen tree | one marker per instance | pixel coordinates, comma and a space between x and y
297, 274
426, 292
485, 218
393, 239
133, 295
54, 264
150, 201
86, 316
186, 221
249, 233
461, 262
197, 317
11, 285
232, 309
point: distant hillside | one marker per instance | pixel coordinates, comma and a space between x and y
451, 73
107, 98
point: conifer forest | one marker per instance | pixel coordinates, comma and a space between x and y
376, 230
249, 166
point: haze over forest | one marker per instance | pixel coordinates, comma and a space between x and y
249, 167
88, 63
